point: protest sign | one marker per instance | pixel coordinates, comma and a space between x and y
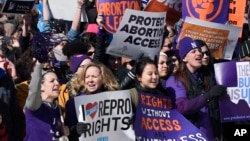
139, 32
236, 13
172, 7
65, 9
107, 115
113, 11
157, 120
236, 76
212, 11
18, 6
220, 38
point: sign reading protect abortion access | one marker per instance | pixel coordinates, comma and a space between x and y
139, 32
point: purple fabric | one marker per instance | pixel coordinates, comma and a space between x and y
226, 74
150, 124
218, 12
2, 73
70, 110
184, 105
187, 44
41, 123
226, 69
112, 20
190, 106
76, 60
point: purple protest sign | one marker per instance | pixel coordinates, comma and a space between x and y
213, 11
113, 10
236, 76
157, 120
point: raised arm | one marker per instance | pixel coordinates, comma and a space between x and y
33, 101
77, 17
46, 12
75, 26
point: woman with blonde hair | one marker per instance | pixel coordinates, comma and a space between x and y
94, 78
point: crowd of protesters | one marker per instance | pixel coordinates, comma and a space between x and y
34, 80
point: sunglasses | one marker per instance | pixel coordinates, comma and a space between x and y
172, 60
47, 69
90, 53
206, 52
168, 45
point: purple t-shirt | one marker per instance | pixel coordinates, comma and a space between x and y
43, 124
190, 106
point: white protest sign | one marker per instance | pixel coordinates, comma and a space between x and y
65, 9
107, 116
235, 75
139, 32
232, 36
243, 80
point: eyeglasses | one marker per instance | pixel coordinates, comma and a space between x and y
47, 69
206, 52
172, 60
90, 53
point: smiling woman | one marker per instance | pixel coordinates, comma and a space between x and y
92, 79
152, 101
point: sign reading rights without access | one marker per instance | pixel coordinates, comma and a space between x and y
157, 120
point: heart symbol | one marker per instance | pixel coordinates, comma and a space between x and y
91, 109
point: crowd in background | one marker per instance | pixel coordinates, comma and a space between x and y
34, 81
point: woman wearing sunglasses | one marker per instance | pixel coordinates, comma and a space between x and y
196, 91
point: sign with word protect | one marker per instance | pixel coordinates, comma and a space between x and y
157, 120
220, 38
236, 76
107, 115
18, 6
139, 32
